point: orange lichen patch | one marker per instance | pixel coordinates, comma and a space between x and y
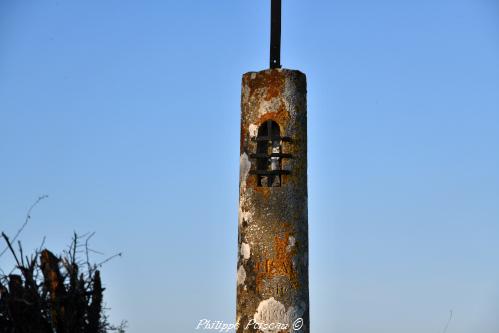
279, 265
281, 116
251, 182
271, 81
265, 191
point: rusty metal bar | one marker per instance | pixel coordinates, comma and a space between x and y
273, 138
275, 34
263, 155
269, 172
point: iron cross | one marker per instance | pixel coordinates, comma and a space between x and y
275, 34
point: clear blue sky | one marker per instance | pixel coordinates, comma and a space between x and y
127, 114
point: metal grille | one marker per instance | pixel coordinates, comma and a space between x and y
269, 155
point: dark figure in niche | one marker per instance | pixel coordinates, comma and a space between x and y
268, 150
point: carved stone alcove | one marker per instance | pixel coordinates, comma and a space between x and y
269, 155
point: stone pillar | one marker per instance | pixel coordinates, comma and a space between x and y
272, 269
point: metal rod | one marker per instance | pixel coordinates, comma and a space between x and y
275, 34
273, 138
263, 155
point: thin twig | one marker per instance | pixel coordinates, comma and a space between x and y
21, 252
73, 250
448, 322
96, 252
87, 250
109, 259
9, 246
28, 217
40, 248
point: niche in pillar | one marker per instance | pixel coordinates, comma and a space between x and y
269, 155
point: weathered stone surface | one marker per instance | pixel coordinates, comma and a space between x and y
272, 265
